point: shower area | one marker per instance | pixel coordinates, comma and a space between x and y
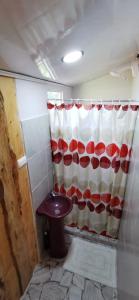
91, 144
87, 151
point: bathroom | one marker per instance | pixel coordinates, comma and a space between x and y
69, 127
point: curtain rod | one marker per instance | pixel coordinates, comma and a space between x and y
96, 101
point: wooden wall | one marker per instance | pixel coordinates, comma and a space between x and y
18, 242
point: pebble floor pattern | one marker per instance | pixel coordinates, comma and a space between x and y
51, 282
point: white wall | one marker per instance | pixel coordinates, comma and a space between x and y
32, 105
32, 97
135, 88
106, 87
128, 246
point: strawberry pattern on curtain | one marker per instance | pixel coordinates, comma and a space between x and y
91, 148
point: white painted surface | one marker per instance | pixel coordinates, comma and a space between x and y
107, 31
32, 105
38, 168
105, 88
36, 134
135, 88
40, 192
32, 97
128, 246
92, 261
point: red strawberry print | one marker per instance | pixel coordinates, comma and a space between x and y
99, 106
71, 191
95, 162
81, 205
50, 105
62, 190
100, 208
115, 164
84, 161
105, 198
81, 148
134, 107
85, 228
87, 194
60, 107
78, 193
105, 162
68, 106
117, 107
57, 158
90, 148
125, 107
67, 159
95, 198
53, 145
125, 166
90, 206
111, 149
99, 148
62, 145
73, 145
114, 202
124, 150
78, 105
108, 107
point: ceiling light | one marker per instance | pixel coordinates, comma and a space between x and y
72, 57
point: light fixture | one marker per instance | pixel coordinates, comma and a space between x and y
72, 57
44, 67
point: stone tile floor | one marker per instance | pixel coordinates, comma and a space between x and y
51, 282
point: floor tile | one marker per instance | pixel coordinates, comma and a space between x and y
66, 279
34, 292
75, 293
50, 281
41, 276
53, 291
78, 281
109, 293
57, 274
92, 292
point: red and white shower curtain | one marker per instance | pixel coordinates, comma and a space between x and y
91, 149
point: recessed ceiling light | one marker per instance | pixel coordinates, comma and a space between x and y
72, 57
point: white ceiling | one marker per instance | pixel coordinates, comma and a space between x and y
106, 30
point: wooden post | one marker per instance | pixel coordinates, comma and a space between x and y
18, 246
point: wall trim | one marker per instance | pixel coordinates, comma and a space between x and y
21, 76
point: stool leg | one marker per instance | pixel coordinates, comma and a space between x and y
56, 238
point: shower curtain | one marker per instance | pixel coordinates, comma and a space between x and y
91, 148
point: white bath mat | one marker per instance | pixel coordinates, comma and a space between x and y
92, 261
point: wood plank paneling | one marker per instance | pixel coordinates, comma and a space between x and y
17, 198
8, 89
9, 289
